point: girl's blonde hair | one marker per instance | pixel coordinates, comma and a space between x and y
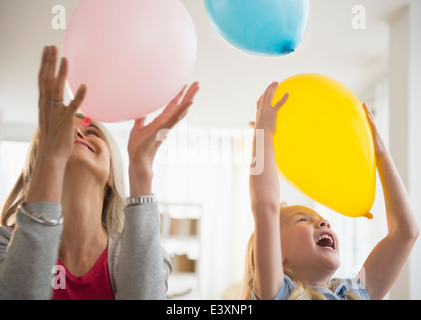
301, 291
114, 194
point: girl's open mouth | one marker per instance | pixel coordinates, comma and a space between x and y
326, 240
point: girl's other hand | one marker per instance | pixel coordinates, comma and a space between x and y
379, 146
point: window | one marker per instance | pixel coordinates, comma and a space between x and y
12, 160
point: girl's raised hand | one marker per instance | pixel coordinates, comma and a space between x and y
266, 115
379, 146
56, 121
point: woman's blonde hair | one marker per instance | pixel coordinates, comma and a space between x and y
114, 194
301, 291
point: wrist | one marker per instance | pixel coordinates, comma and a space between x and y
382, 157
141, 170
268, 133
140, 180
53, 153
45, 156
265, 134
46, 181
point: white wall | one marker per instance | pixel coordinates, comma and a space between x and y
414, 141
405, 130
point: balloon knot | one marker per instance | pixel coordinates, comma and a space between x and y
369, 216
288, 48
86, 122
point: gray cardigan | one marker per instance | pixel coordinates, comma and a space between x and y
139, 267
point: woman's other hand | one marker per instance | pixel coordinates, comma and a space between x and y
145, 140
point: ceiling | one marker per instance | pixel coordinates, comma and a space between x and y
231, 81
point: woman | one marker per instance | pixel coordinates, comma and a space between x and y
294, 253
65, 212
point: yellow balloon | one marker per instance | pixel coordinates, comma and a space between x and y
323, 144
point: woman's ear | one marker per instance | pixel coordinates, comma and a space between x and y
110, 179
109, 184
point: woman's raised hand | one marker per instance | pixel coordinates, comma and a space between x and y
56, 121
56, 130
145, 140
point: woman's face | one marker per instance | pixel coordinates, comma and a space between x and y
91, 150
307, 240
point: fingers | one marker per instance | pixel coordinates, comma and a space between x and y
179, 95
42, 68
174, 102
372, 122
50, 86
187, 101
44, 82
50, 67
379, 145
77, 101
267, 98
259, 102
194, 88
139, 123
281, 102
369, 114
367, 110
263, 98
57, 91
270, 93
189, 97
43, 79
175, 111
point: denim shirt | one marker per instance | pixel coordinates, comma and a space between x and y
352, 285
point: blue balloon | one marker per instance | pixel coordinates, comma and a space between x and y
263, 27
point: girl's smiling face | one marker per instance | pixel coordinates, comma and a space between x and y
308, 244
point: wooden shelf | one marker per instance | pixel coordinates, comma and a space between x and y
180, 232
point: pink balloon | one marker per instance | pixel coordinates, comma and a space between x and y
134, 55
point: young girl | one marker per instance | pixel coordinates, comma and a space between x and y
293, 251
67, 211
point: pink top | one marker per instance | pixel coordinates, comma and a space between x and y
94, 285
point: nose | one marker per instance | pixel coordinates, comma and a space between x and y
79, 134
323, 223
